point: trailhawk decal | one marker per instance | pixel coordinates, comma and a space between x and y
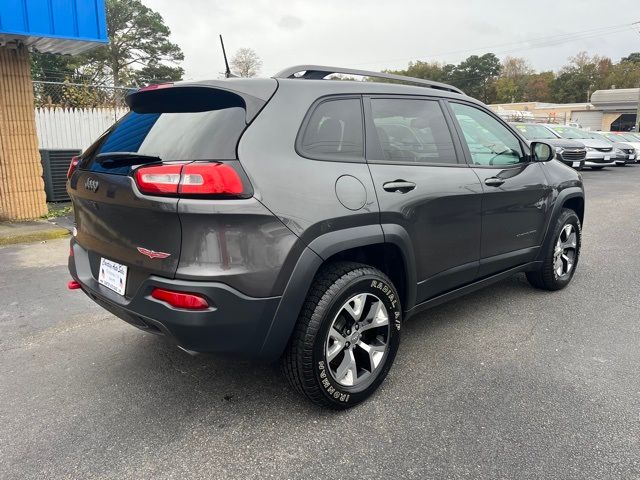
384, 288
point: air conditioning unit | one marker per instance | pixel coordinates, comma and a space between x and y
55, 164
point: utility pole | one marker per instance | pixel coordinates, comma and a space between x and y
638, 111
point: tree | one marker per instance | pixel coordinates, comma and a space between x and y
625, 74
514, 76
632, 58
138, 45
508, 90
539, 87
246, 63
427, 70
581, 77
475, 76
157, 73
515, 67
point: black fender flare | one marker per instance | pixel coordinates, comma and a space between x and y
305, 269
558, 205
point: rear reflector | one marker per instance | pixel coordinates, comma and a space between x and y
72, 166
190, 179
188, 301
73, 285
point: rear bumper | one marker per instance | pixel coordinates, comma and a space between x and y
234, 324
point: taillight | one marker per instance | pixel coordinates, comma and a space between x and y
210, 179
159, 179
72, 166
188, 301
189, 179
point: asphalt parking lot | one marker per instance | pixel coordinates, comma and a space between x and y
508, 382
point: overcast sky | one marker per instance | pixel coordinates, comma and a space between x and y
378, 34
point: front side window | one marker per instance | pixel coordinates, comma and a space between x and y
489, 141
412, 130
334, 131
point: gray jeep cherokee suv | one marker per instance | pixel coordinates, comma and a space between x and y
306, 219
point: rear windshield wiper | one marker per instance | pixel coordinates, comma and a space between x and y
122, 159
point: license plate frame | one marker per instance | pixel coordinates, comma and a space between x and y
113, 275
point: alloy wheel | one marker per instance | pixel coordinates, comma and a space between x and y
565, 252
358, 340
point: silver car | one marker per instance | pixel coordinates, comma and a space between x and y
600, 153
623, 151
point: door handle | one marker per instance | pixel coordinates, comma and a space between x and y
494, 181
401, 186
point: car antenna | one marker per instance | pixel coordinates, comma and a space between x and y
227, 72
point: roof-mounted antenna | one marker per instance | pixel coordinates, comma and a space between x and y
227, 72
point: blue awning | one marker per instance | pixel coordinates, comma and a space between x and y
54, 26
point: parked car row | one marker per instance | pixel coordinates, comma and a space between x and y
581, 148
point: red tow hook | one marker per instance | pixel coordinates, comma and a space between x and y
73, 285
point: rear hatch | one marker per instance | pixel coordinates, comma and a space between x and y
179, 141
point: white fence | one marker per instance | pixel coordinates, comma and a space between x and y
73, 128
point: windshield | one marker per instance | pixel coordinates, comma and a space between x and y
570, 132
628, 136
599, 136
611, 136
535, 132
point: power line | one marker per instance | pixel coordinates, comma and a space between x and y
526, 44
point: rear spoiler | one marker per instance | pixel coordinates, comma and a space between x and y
250, 94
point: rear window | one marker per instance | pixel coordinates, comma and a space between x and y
171, 136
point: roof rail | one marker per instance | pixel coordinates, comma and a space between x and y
318, 72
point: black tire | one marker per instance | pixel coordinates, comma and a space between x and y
546, 278
305, 361
597, 168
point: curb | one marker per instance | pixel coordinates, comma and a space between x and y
38, 236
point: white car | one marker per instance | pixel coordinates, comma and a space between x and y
631, 138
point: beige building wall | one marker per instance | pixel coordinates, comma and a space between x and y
22, 193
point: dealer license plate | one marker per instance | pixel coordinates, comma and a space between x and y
113, 276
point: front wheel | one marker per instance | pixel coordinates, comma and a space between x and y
561, 257
347, 336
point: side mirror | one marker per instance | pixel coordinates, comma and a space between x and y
542, 152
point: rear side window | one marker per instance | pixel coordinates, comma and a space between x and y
334, 131
412, 131
171, 135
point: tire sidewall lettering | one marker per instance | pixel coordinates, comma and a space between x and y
388, 295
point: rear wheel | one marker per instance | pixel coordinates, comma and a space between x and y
561, 257
347, 336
